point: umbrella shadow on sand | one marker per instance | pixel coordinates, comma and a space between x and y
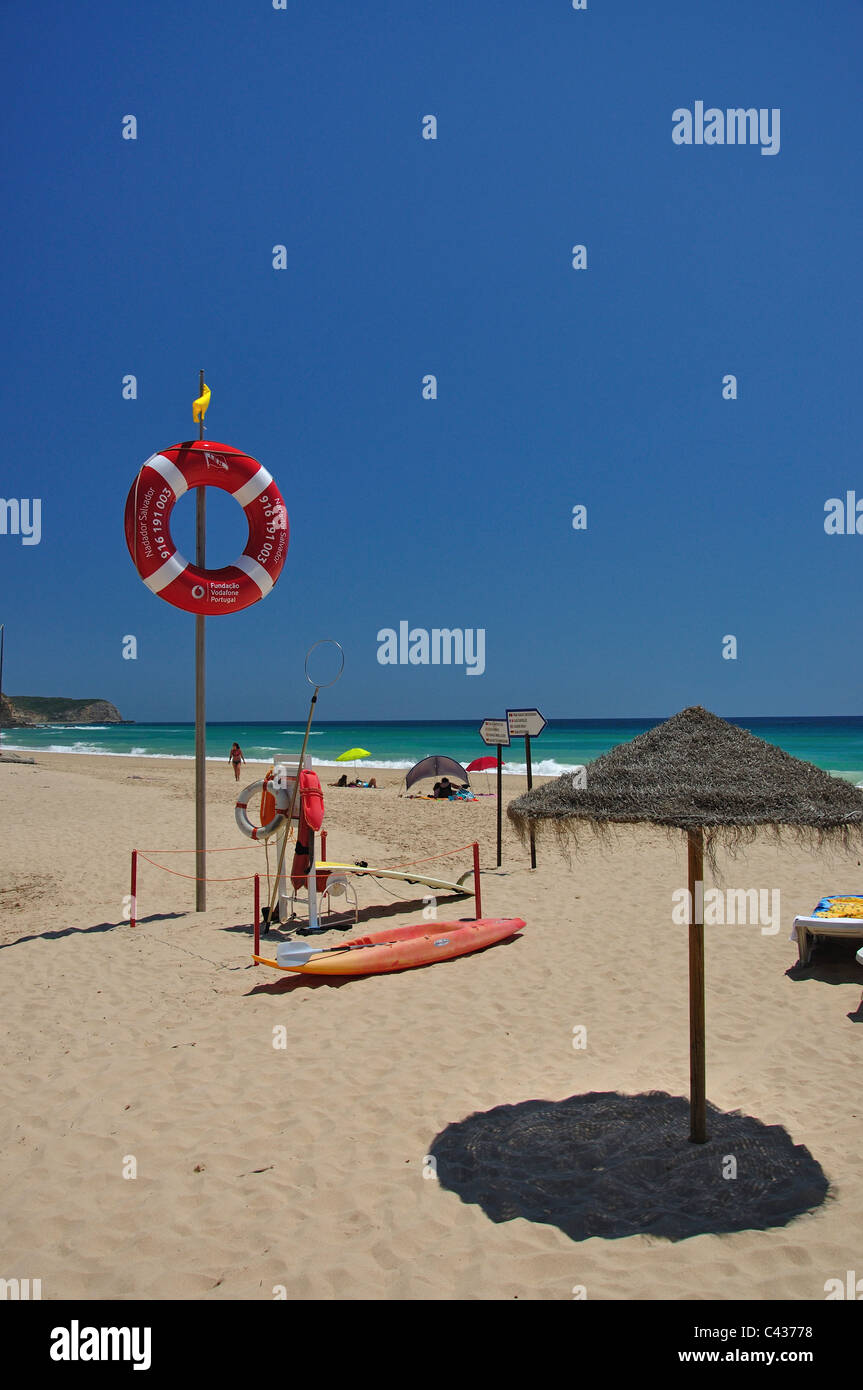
610, 1165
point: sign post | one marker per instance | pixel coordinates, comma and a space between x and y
526, 724
494, 731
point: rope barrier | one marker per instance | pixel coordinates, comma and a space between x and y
238, 878
232, 849
244, 878
409, 864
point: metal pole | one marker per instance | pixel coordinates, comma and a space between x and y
312, 884
477, 898
529, 785
697, 1061
257, 915
200, 698
499, 799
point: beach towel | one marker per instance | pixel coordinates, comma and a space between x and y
848, 906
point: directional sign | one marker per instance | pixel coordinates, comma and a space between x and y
494, 731
525, 721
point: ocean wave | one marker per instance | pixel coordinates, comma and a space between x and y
547, 767
91, 751
95, 727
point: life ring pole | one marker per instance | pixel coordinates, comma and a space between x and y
201, 697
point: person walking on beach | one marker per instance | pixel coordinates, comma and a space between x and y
236, 757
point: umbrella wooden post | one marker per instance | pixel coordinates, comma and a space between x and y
697, 1059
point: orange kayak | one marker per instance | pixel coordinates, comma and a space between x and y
401, 948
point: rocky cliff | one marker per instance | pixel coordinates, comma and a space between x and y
22, 711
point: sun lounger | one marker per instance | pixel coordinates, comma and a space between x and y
806, 930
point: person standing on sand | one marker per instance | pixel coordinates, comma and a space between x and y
236, 757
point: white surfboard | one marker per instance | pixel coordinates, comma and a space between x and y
407, 875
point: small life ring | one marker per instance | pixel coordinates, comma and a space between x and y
160, 482
260, 832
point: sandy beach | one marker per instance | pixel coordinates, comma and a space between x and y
301, 1167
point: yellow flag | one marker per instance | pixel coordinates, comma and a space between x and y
199, 407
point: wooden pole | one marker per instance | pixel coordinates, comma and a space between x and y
529, 785
257, 915
477, 898
697, 1059
2, 644
133, 912
499, 800
200, 698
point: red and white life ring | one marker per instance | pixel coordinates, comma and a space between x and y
202, 463
261, 832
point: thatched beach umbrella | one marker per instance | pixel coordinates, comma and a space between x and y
699, 774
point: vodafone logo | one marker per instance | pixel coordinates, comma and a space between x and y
198, 591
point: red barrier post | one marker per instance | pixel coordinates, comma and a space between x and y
133, 914
257, 915
476, 888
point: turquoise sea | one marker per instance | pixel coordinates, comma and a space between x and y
833, 743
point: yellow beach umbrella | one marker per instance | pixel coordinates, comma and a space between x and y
353, 755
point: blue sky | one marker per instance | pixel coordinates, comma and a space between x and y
409, 256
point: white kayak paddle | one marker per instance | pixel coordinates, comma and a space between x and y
298, 953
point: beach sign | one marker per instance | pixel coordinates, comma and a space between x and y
496, 731
526, 724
